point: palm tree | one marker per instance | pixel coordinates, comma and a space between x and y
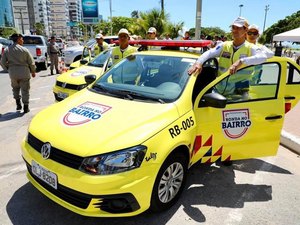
162, 5
153, 18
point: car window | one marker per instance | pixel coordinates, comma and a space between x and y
32, 40
100, 59
293, 74
257, 82
150, 77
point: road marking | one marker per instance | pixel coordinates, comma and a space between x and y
34, 99
13, 171
46, 86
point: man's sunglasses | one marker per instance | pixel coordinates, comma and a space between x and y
252, 33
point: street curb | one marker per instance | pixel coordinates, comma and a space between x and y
290, 141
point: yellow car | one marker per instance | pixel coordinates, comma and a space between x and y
124, 144
85, 58
72, 81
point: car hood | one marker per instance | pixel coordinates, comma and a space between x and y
88, 123
73, 48
76, 76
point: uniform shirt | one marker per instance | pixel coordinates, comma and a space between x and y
100, 48
257, 55
18, 61
52, 48
118, 54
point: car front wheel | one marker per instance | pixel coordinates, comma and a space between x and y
169, 182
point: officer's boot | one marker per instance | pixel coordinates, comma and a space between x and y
18, 103
26, 109
52, 72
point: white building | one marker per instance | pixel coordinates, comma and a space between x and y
20, 11
41, 14
59, 18
75, 15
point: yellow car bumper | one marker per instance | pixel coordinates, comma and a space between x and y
123, 194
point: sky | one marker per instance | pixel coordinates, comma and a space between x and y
215, 13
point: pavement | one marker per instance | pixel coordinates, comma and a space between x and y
290, 134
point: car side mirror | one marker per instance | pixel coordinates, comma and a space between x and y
215, 100
90, 79
83, 61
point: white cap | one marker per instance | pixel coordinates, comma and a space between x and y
240, 22
152, 30
123, 31
98, 36
253, 26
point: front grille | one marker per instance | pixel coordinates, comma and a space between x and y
56, 155
69, 86
71, 196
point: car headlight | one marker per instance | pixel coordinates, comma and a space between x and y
114, 162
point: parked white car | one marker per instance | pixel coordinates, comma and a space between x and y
37, 45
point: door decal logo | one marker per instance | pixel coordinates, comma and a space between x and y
235, 122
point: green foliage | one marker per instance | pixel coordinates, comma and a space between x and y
7, 31
39, 28
289, 23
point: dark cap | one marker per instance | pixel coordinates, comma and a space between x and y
15, 36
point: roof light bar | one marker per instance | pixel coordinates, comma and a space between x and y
170, 43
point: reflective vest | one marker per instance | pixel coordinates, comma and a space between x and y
241, 80
117, 54
98, 49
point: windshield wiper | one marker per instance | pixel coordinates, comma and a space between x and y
131, 95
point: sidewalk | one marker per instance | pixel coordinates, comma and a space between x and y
290, 134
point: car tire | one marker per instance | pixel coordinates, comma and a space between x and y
169, 182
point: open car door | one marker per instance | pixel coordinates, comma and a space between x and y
247, 125
292, 89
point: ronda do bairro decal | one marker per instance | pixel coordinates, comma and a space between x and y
84, 113
235, 122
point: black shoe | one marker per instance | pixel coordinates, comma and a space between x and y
19, 106
52, 72
26, 109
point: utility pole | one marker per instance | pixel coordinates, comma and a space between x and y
241, 9
266, 10
21, 17
198, 19
110, 11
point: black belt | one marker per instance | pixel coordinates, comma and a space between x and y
53, 52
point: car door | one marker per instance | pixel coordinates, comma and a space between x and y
292, 89
246, 127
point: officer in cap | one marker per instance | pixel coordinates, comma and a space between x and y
101, 45
124, 49
21, 67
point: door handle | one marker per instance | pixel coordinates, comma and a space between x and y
273, 117
289, 97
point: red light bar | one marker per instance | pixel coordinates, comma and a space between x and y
170, 43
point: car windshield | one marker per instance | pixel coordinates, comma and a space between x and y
100, 59
146, 78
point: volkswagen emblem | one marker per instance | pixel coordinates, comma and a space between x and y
46, 150
64, 85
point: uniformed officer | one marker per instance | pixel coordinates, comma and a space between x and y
53, 51
20, 64
101, 45
233, 54
124, 49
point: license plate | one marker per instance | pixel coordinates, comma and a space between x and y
62, 95
45, 175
